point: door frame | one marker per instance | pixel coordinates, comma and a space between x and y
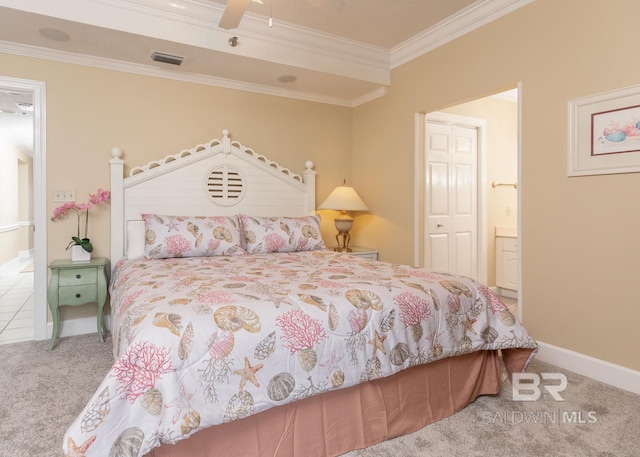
419, 188
40, 273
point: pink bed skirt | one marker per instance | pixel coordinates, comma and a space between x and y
339, 421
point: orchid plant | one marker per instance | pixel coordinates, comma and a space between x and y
81, 210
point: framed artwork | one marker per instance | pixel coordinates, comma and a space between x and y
604, 133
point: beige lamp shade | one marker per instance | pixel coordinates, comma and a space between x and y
343, 199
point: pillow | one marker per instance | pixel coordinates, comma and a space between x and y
191, 236
281, 234
135, 239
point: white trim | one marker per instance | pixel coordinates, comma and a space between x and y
507, 293
521, 186
9, 227
600, 370
38, 89
418, 189
475, 16
16, 226
374, 94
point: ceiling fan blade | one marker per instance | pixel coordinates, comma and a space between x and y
233, 13
327, 7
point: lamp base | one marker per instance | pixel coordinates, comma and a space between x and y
342, 249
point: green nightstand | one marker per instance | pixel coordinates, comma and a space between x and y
75, 284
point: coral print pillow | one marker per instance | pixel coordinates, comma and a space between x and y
281, 234
191, 236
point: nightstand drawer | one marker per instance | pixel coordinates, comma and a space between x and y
78, 276
77, 295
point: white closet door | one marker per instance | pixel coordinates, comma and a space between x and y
451, 164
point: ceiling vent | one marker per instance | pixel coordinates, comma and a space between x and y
166, 58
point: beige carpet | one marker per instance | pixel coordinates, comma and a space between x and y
43, 391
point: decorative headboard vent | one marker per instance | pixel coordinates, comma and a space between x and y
224, 185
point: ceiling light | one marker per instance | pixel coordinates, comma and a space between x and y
54, 34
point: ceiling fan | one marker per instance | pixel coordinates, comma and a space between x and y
235, 9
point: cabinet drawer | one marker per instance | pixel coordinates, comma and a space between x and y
77, 295
510, 244
77, 276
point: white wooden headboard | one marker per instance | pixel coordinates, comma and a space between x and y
221, 177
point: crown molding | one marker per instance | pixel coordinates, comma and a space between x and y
148, 70
471, 18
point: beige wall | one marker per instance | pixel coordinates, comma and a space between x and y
502, 166
15, 172
580, 244
91, 110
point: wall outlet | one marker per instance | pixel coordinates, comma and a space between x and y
64, 195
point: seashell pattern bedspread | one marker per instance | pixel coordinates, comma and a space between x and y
205, 340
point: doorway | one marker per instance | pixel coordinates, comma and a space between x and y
496, 119
35, 92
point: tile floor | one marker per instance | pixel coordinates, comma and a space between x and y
16, 304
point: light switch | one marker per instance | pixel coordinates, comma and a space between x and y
64, 195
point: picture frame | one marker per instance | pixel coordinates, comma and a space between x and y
604, 133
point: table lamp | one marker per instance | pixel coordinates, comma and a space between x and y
344, 198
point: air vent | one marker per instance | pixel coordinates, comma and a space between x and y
25, 106
166, 58
224, 185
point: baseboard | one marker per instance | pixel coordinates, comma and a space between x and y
600, 370
74, 327
507, 293
504, 292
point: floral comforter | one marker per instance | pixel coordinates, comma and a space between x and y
206, 340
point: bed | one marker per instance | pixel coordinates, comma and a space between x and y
236, 332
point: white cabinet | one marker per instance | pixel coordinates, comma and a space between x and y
507, 262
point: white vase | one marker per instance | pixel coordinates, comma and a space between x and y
78, 254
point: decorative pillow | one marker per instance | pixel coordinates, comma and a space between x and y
191, 236
135, 239
281, 234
